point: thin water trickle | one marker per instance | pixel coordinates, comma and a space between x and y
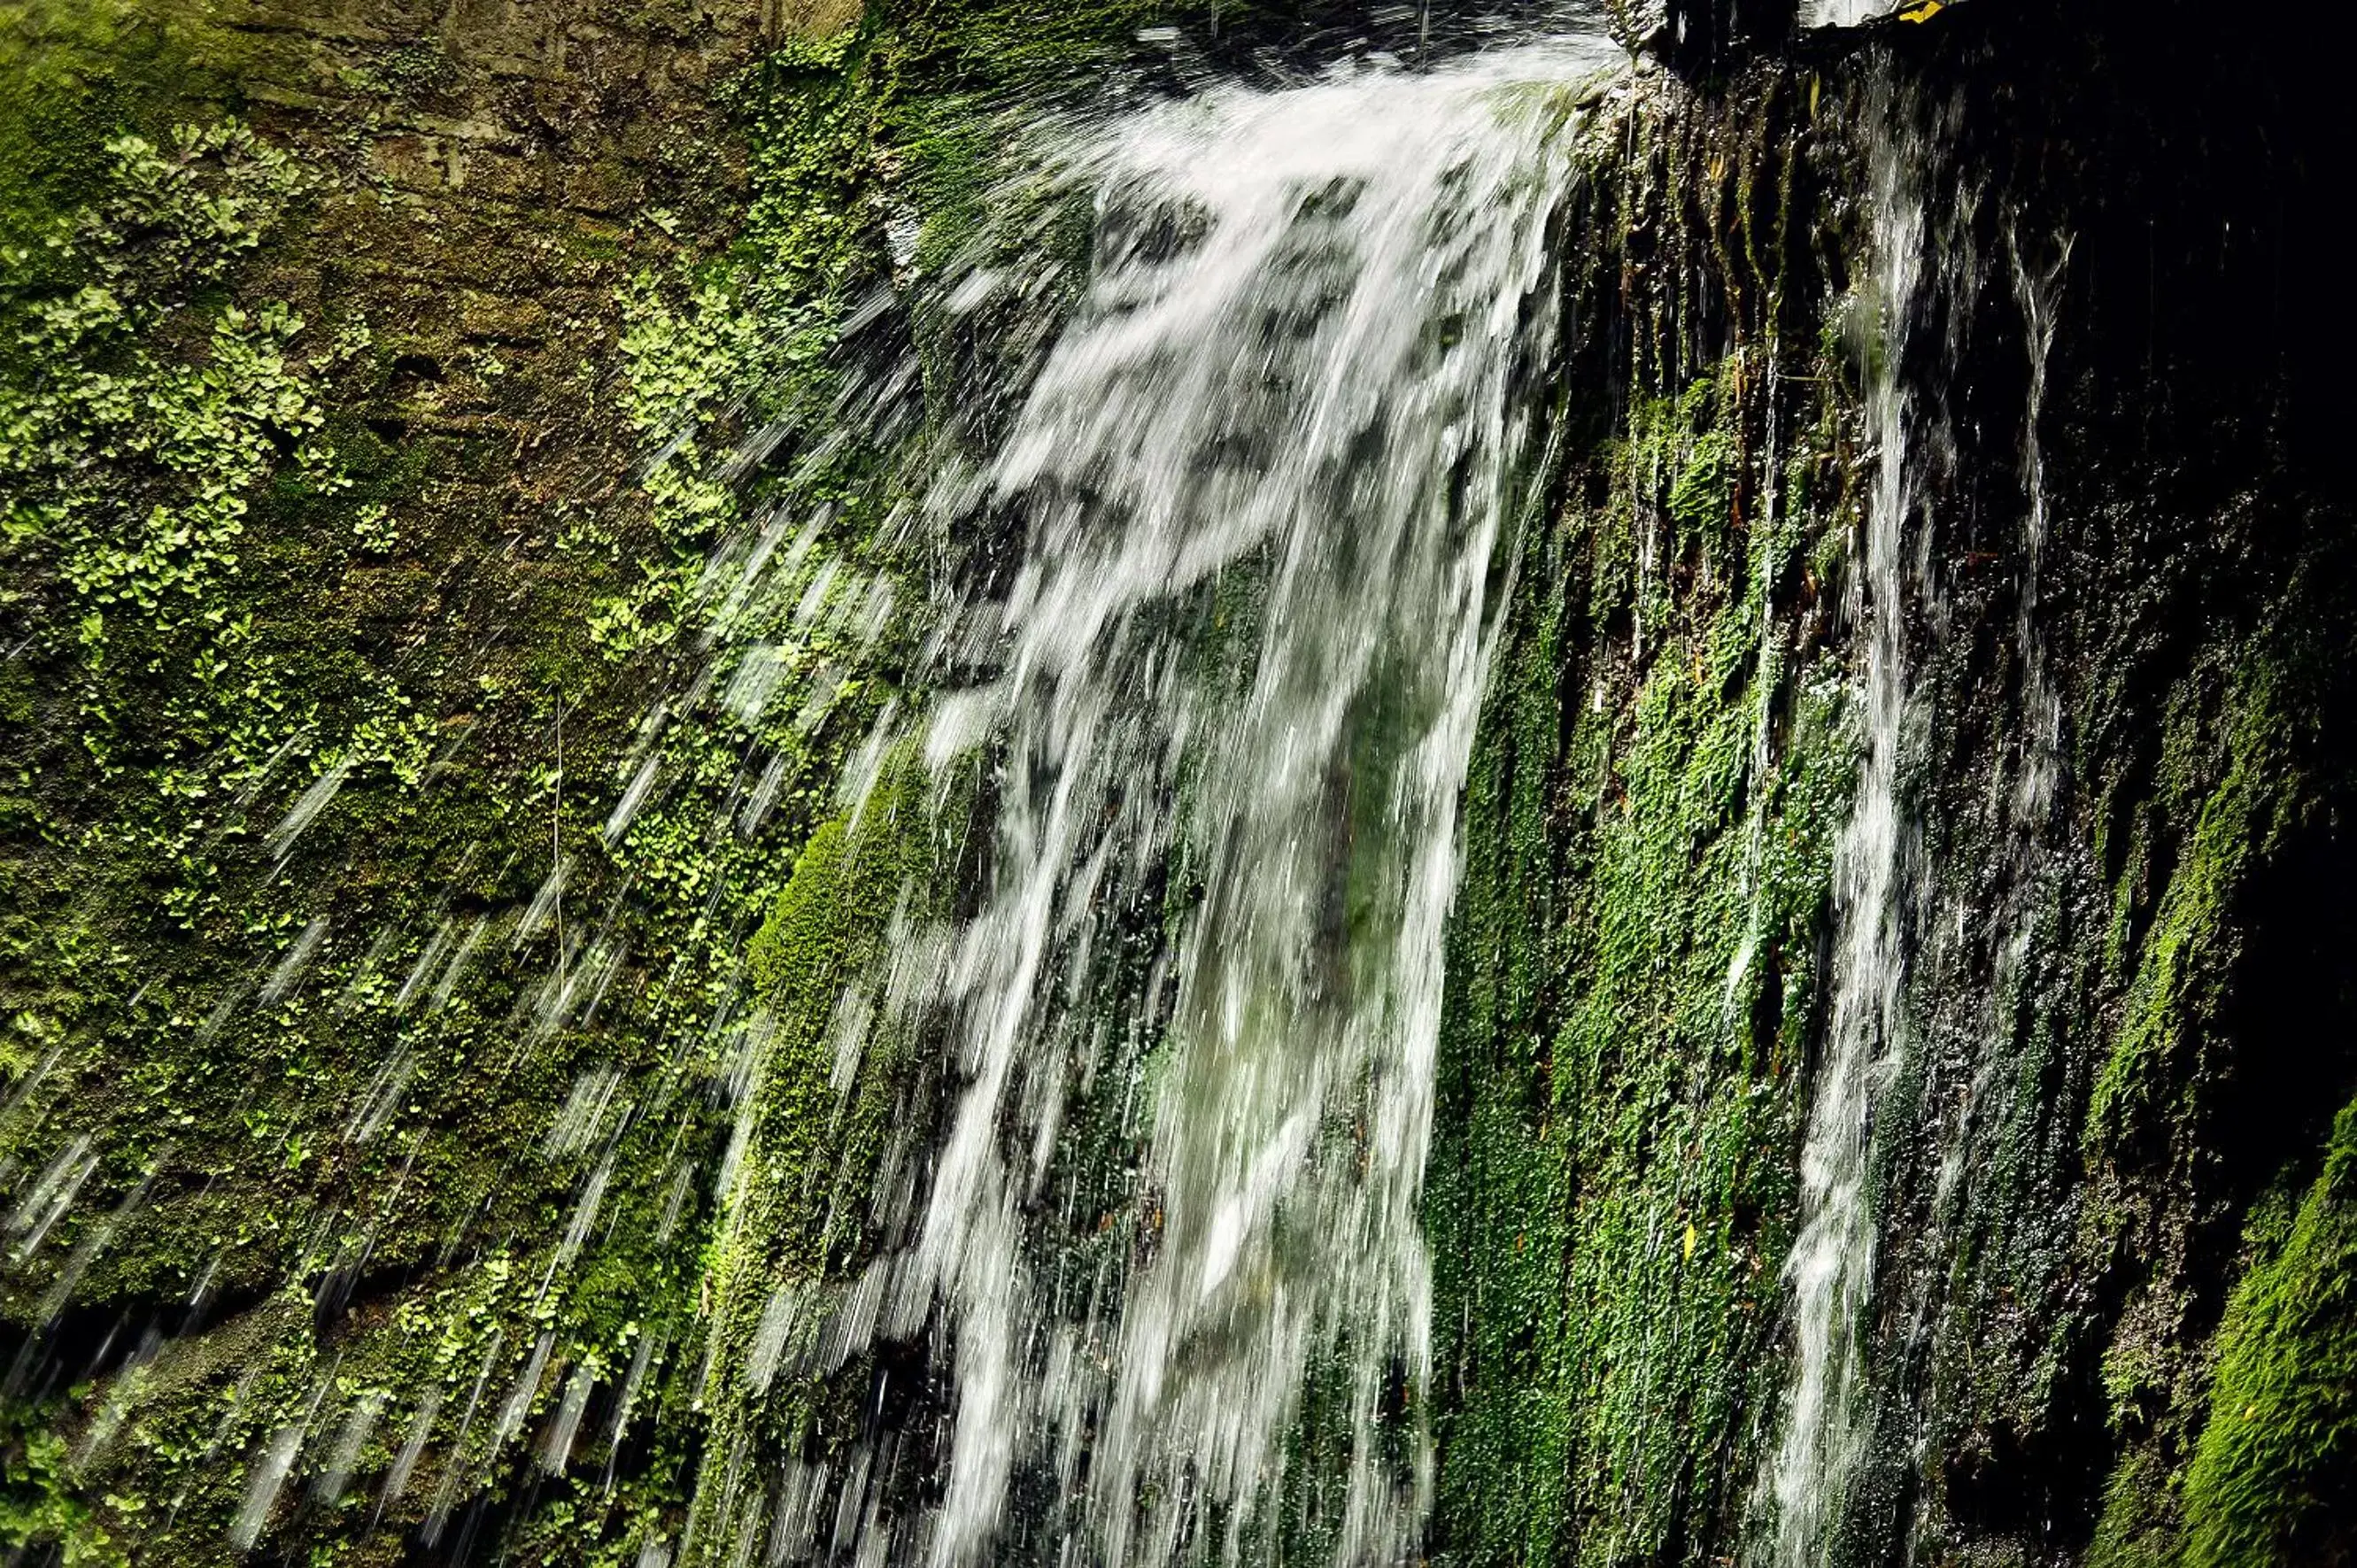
2037, 290
1260, 482
1831, 1269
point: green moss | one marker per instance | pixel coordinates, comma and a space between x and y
832, 1071
37, 1505
1632, 972
825, 1086
2228, 785
2271, 1480
2185, 960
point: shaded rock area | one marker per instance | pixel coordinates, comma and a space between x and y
2128, 493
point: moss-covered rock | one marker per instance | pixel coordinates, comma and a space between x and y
2270, 1480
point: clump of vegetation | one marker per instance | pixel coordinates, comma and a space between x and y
2275, 1478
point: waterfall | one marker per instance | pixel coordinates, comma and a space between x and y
1831, 1269
1860, 13
1260, 481
2036, 290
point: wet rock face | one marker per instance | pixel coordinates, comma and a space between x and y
369, 303
441, 204
2069, 1218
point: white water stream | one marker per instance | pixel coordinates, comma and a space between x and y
1262, 481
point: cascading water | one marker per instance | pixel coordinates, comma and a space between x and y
1831, 1269
1261, 482
1255, 492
